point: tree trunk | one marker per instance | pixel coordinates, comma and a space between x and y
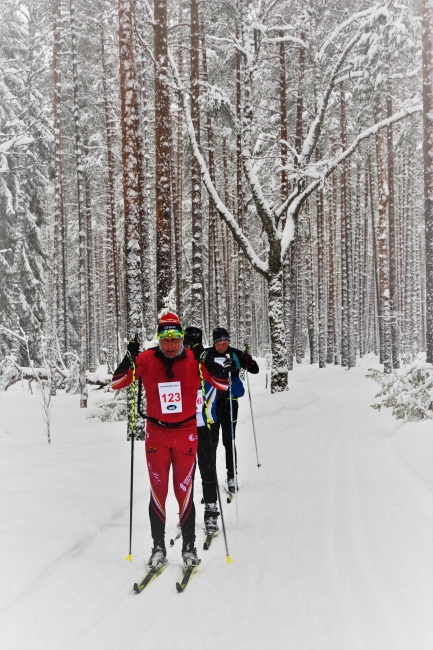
393, 298
348, 354
383, 249
376, 278
91, 342
288, 300
311, 295
331, 354
215, 262
240, 303
427, 75
130, 181
196, 207
162, 156
408, 239
82, 318
179, 195
343, 256
321, 278
112, 259
279, 378
143, 200
59, 212
16, 273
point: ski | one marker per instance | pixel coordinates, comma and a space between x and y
148, 578
186, 577
208, 540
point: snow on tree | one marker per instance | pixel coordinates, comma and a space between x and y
25, 152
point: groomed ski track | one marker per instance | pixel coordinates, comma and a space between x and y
333, 549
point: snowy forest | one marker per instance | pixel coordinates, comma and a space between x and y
253, 164
263, 166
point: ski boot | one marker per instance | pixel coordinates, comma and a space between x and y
210, 518
158, 557
231, 487
189, 556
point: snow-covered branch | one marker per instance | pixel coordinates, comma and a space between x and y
297, 198
226, 215
314, 130
288, 39
331, 38
408, 392
262, 206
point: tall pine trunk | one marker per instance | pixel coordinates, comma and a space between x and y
196, 207
164, 279
178, 217
427, 76
393, 297
59, 211
111, 239
82, 317
383, 249
143, 197
240, 303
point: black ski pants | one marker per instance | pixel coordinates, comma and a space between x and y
206, 456
208, 439
224, 421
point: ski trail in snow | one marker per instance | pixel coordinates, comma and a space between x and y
349, 616
374, 602
333, 550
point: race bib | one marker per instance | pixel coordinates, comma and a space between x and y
220, 360
199, 404
199, 409
170, 397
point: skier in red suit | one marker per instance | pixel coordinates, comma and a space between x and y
171, 378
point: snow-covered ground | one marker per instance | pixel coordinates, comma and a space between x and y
333, 548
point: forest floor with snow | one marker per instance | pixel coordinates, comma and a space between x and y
333, 549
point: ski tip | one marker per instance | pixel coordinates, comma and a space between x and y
179, 587
259, 465
229, 559
128, 558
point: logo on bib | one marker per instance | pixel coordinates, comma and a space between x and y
182, 487
192, 437
171, 407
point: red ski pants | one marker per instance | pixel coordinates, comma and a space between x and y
176, 447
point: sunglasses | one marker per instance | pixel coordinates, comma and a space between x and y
170, 334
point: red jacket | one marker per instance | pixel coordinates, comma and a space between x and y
169, 398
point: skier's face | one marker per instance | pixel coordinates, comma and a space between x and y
221, 346
170, 347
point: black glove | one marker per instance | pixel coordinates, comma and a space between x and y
193, 337
229, 365
133, 348
203, 356
247, 360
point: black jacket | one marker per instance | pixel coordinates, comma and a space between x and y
242, 359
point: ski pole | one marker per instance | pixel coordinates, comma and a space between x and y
252, 418
233, 442
229, 559
129, 556
247, 349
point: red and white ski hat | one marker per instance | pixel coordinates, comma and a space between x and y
169, 326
